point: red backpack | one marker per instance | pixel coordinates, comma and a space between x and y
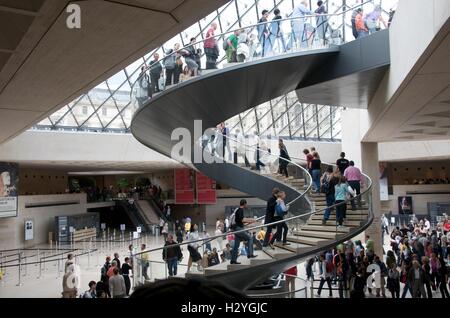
329, 267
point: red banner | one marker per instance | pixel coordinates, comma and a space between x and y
184, 186
206, 189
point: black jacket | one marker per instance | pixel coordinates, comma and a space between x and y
284, 154
172, 252
270, 210
155, 67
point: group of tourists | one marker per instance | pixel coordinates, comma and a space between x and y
303, 27
114, 278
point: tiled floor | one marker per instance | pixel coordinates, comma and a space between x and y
49, 283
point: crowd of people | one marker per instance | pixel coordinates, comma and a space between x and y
268, 37
418, 260
114, 279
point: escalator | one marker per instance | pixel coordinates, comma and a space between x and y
136, 217
208, 98
148, 210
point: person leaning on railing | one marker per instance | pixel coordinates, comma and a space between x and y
211, 48
170, 64
145, 262
282, 228
172, 255
242, 236
231, 46
270, 214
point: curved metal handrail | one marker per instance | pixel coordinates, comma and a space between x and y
268, 224
269, 22
278, 157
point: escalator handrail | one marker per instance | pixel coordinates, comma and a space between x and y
369, 220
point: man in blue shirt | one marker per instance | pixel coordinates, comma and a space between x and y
298, 24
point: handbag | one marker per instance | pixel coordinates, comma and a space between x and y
403, 278
351, 191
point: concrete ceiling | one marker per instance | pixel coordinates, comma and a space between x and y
352, 77
421, 110
44, 64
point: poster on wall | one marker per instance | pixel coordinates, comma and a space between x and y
184, 186
206, 189
9, 181
405, 205
29, 230
384, 195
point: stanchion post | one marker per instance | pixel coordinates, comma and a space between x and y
58, 268
25, 265
89, 258
40, 264
20, 269
165, 270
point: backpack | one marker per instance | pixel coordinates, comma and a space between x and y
325, 187
169, 62
279, 210
329, 267
233, 219
225, 44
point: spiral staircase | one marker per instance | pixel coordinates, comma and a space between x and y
220, 94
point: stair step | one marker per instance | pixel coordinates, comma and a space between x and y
348, 204
296, 248
324, 228
315, 234
348, 217
316, 195
219, 268
333, 223
349, 212
307, 240
277, 253
297, 181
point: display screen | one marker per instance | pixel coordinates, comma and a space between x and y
9, 181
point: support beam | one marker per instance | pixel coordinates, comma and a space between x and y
19, 11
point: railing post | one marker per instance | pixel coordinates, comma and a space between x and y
25, 265
344, 8
165, 269
40, 264
311, 289
89, 255
58, 268
20, 269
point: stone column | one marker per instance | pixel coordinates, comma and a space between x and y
369, 158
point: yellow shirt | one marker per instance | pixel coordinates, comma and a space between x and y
145, 256
261, 235
187, 227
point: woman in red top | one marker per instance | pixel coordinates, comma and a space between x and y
309, 158
446, 226
291, 274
